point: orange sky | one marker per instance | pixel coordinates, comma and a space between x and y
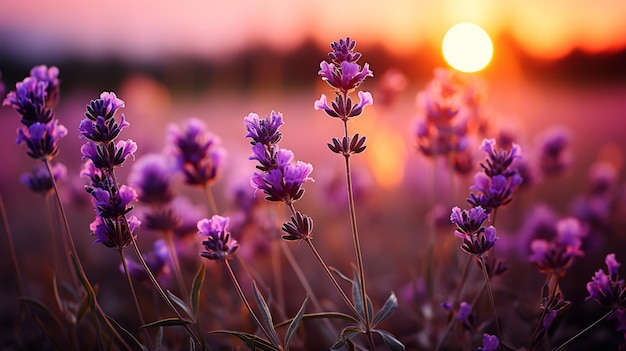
153, 28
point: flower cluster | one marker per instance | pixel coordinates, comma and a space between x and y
490, 343
344, 75
494, 186
34, 99
557, 255
477, 240
112, 202
279, 178
157, 260
219, 244
607, 289
197, 151
443, 129
39, 181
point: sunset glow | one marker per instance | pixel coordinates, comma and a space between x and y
467, 47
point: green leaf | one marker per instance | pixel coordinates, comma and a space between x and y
266, 314
357, 298
166, 322
126, 332
194, 296
392, 343
320, 315
252, 341
293, 326
180, 303
387, 310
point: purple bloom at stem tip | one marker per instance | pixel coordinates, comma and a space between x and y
607, 289
219, 244
152, 176
39, 182
41, 139
490, 343
264, 131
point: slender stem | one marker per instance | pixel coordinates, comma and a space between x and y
278, 277
332, 278
553, 280
491, 299
245, 300
160, 290
606, 315
464, 276
169, 239
7, 230
355, 237
73, 252
134, 294
210, 199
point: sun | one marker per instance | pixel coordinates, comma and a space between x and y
467, 47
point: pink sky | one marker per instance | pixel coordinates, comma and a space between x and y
156, 28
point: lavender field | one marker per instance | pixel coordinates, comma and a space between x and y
479, 212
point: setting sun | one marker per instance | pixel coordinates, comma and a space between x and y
467, 47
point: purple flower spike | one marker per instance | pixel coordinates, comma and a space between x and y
343, 50
41, 139
114, 233
490, 343
152, 176
557, 255
39, 180
477, 240
219, 244
197, 151
264, 131
607, 289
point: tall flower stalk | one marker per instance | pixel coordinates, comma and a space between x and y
344, 75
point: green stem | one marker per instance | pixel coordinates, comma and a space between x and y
73, 252
169, 239
245, 300
7, 230
160, 290
491, 299
606, 315
210, 199
332, 278
134, 294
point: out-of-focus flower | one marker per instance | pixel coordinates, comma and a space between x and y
391, 83
490, 343
477, 240
494, 186
197, 151
463, 313
152, 176
39, 180
157, 261
557, 255
554, 157
607, 289
219, 245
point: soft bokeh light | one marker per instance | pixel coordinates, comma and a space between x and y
467, 47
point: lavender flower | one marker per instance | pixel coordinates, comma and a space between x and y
112, 227
219, 244
607, 289
152, 176
264, 131
490, 343
463, 314
36, 95
197, 151
344, 75
554, 157
494, 186
445, 112
477, 240
33, 99
157, 261
39, 180
557, 255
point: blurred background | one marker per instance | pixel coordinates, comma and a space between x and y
555, 64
